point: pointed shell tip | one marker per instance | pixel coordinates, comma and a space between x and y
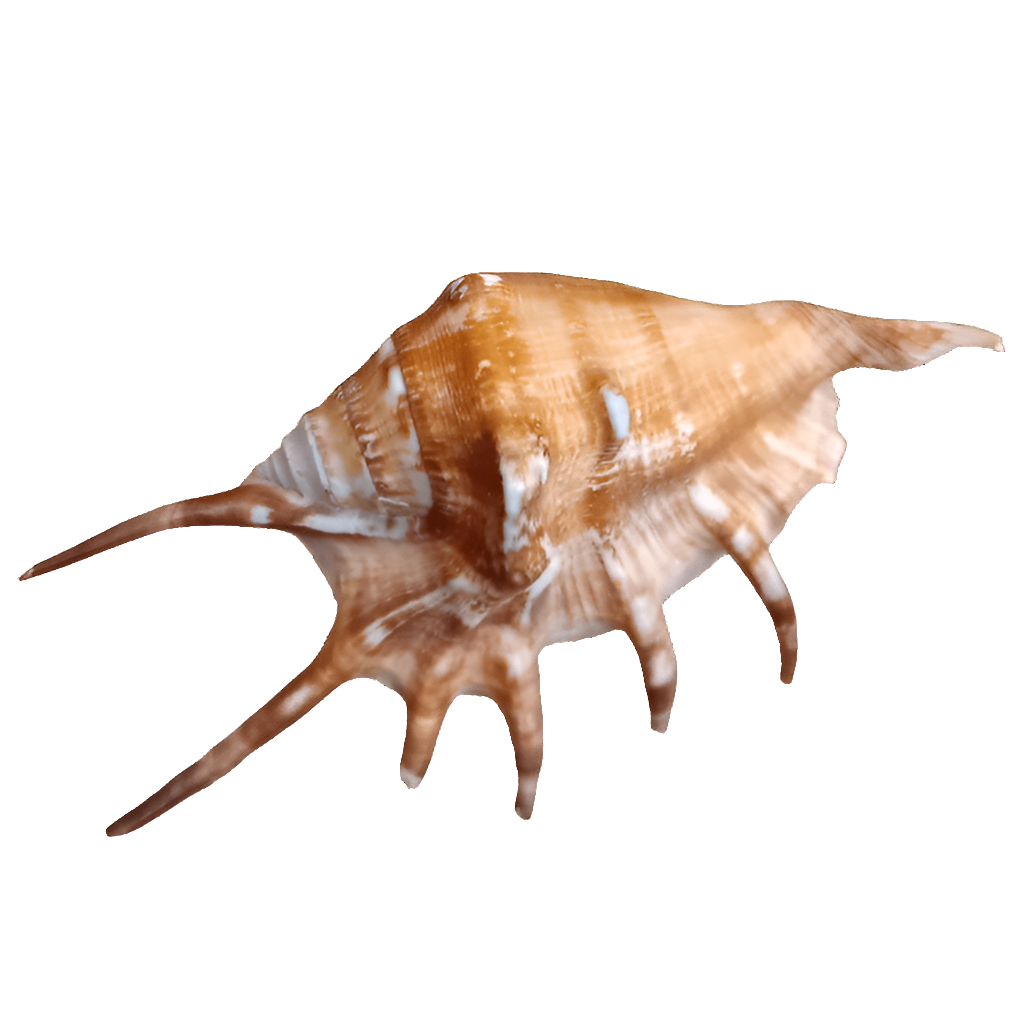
526, 795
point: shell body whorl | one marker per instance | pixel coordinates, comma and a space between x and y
538, 458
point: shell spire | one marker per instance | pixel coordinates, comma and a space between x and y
535, 459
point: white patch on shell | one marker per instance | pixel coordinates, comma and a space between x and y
660, 450
526, 794
514, 487
490, 279
683, 426
411, 779
396, 384
768, 579
260, 515
359, 523
417, 474
463, 603
461, 587
743, 541
663, 668
294, 701
458, 288
343, 488
519, 659
738, 369
541, 583
645, 616
644, 609
520, 479
707, 503
618, 412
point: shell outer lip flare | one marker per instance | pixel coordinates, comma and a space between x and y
536, 459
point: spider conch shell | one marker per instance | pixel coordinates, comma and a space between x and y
534, 459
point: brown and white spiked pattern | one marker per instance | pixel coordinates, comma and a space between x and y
535, 459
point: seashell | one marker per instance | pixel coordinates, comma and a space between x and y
536, 459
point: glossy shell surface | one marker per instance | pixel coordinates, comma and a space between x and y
534, 459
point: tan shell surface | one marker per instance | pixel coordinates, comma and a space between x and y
538, 458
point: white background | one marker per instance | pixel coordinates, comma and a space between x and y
211, 215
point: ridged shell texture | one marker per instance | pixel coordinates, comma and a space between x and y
534, 459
